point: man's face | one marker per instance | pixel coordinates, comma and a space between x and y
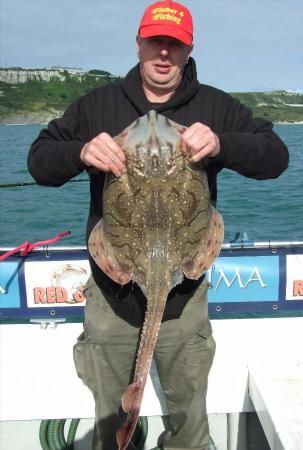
162, 60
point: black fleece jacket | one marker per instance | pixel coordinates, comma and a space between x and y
247, 145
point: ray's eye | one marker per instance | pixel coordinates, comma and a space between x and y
166, 148
166, 151
141, 151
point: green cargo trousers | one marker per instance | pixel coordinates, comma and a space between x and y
105, 356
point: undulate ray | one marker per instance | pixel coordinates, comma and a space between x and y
158, 224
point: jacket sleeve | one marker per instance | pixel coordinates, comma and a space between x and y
54, 157
249, 145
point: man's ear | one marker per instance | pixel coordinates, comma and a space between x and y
138, 41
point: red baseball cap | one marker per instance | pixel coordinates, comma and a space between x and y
167, 18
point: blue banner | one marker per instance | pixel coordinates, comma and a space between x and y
9, 285
244, 283
244, 279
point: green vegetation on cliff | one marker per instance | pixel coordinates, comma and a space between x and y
277, 106
37, 95
49, 98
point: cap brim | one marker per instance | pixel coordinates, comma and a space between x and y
166, 30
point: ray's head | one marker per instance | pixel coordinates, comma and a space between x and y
152, 143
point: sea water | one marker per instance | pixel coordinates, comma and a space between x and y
265, 210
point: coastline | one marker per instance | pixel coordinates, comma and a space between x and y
288, 123
43, 118
30, 118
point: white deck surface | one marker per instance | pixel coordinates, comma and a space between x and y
277, 395
38, 379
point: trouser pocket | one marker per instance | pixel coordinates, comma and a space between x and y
85, 362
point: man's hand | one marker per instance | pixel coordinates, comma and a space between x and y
103, 153
199, 141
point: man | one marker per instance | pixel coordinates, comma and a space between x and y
220, 131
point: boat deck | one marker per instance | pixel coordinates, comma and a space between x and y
258, 366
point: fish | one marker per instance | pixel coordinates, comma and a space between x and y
158, 225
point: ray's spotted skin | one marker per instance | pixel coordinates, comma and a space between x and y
158, 224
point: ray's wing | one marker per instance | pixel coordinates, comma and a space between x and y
104, 255
209, 250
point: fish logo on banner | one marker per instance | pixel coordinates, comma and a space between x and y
56, 283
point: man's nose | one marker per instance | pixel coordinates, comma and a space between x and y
164, 51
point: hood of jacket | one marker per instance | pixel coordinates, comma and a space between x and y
132, 88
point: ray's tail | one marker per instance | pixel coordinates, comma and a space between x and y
132, 398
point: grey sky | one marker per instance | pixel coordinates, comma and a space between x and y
239, 45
